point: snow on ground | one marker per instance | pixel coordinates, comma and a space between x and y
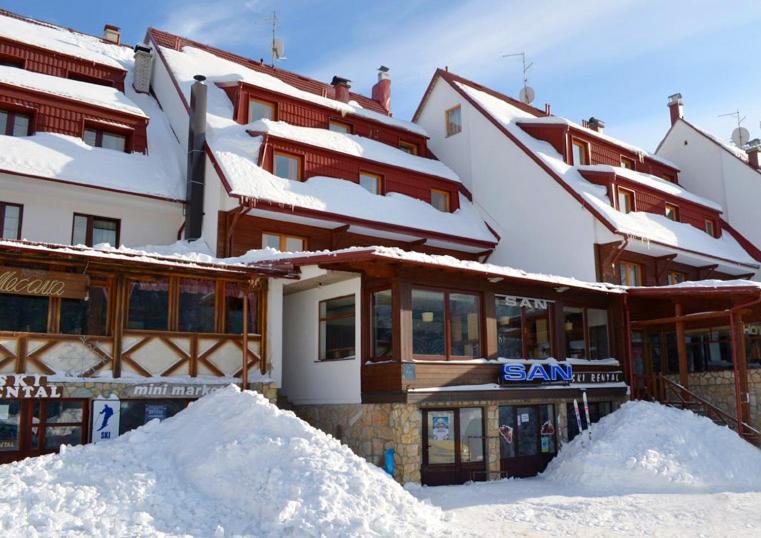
232, 464
648, 470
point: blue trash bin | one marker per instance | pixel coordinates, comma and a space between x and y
390, 461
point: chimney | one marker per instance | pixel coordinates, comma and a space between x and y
596, 124
382, 89
112, 34
196, 172
141, 77
676, 108
341, 86
754, 148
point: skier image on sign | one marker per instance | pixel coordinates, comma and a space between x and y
107, 413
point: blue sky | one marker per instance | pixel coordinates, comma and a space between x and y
617, 60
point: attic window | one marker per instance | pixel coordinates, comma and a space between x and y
627, 163
372, 183
440, 200
453, 120
15, 123
672, 212
73, 75
710, 227
676, 277
287, 166
12, 61
579, 152
408, 147
339, 127
625, 200
260, 110
100, 138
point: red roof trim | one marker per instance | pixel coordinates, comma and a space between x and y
752, 249
693, 290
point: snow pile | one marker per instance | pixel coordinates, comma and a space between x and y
231, 464
648, 447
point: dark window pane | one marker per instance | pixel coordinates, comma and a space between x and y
234, 310
21, 125
528, 426
3, 122
85, 317
465, 320
55, 436
597, 321
337, 334
148, 305
10, 417
135, 413
508, 330
382, 334
428, 322
23, 314
63, 412
90, 137
197, 300
573, 325
506, 431
537, 332
548, 439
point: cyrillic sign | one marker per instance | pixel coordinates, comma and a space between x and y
27, 386
16, 281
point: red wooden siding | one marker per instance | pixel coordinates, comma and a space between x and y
64, 116
320, 162
59, 65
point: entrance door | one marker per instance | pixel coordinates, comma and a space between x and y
527, 439
453, 446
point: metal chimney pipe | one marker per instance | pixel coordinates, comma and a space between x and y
196, 172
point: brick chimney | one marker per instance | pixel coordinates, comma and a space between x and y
382, 89
753, 151
676, 107
596, 124
341, 86
141, 79
112, 34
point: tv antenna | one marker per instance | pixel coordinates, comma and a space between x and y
740, 135
527, 92
278, 46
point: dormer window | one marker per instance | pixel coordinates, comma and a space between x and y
287, 166
339, 127
453, 120
440, 200
15, 123
100, 138
260, 110
627, 163
408, 147
710, 227
579, 152
625, 200
676, 277
11, 61
672, 212
372, 183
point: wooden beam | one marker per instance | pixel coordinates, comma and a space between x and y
681, 346
674, 319
709, 269
666, 261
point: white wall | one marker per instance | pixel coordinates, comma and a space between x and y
543, 227
49, 209
274, 330
307, 380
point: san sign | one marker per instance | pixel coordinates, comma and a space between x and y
517, 372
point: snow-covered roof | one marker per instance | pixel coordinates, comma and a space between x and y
191, 61
94, 94
63, 40
237, 153
558, 120
734, 150
712, 284
654, 182
356, 146
647, 227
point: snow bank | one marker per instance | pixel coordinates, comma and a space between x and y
648, 447
231, 464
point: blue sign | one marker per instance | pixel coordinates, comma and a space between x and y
537, 373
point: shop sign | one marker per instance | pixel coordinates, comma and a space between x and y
526, 302
105, 420
516, 373
27, 386
615, 376
16, 281
171, 390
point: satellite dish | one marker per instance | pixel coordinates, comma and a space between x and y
740, 136
278, 49
526, 95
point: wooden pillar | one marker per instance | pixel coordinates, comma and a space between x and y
490, 330
120, 312
401, 321
262, 297
244, 370
740, 357
681, 347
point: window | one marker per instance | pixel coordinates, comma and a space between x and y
626, 162
630, 273
337, 335
12, 61
283, 242
88, 316
148, 305
454, 120
446, 324
597, 410
89, 230
668, 177
260, 110
675, 277
287, 166
526, 431
197, 305
9, 433
382, 332
10, 220
523, 331
23, 313
579, 152
371, 182
56, 423
672, 212
234, 310
625, 200
440, 200
471, 434
15, 123
100, 138
339, 127
408, 147
73, 75
586, 333
135, 413
710, 227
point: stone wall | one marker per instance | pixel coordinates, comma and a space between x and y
718, 387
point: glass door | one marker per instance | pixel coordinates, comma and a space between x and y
527, 438
453, 446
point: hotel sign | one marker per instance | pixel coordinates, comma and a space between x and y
17, 281
525, 302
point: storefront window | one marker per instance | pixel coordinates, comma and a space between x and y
382, 333
527, 431
148, 305
537, 332
56, 423
597, 410
21, 313
509, 325
135, 413
471, 434
234, 310
573, 325
197, 305
86, 316
523, 331
337, 334
428, 323
586, 333
10, 418
465, 324
597, 326
708, 349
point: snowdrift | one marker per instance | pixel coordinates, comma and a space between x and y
648, 447
230, 464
